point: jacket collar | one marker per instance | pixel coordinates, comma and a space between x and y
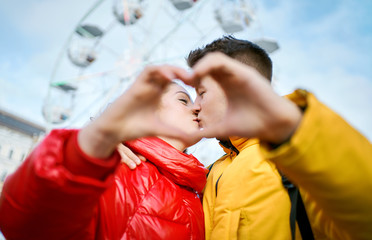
237, 144
181, 168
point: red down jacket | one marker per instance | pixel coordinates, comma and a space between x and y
61, 193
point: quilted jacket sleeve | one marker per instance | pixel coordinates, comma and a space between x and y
54, 193
332, 164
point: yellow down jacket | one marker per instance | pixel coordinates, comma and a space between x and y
330, 162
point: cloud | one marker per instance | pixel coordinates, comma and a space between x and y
323, 48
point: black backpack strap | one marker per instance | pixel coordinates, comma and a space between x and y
293, 194
209, 169
303, 220
298, 212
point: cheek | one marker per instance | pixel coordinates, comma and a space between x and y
175, 116
213, 110
165, 112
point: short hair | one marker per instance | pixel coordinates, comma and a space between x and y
241, 50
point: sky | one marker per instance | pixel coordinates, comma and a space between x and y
325, 47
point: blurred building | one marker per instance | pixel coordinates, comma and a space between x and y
17, 138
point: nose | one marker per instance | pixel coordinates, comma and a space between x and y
196, 108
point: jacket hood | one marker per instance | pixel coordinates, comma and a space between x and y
181, 168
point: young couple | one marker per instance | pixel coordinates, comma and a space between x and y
73, 186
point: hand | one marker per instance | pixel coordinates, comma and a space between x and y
129, 158
133, 114
254, 109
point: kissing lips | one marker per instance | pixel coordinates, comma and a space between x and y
198, 121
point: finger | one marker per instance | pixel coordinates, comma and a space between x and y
126, 153
224, 70
163, 74
184, 76
131, 155
124, 159
171, 73
166, 73
157, 75
208, 64
142, 158
177, 72
191, 79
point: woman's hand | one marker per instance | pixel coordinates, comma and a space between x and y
133, 114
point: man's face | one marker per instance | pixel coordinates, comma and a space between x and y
210, 103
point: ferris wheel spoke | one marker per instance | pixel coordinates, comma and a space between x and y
101, 101
109, 50
171, 31
100, 58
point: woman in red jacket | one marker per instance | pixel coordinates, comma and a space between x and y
72, 186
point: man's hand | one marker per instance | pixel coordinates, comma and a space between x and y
254, 109
133, 115
131, 159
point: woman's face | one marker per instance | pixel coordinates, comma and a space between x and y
176, 109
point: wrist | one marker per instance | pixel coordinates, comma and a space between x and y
97, 142
285, 125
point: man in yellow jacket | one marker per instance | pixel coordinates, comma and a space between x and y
316, 149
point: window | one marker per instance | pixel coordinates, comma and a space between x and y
11, 154
3, 176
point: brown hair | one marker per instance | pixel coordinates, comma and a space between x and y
241, 50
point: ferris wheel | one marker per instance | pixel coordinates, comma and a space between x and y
114, 40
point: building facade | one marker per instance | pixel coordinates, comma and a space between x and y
17, 138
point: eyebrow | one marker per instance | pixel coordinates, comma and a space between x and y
188, 96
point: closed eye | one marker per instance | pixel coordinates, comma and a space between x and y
183, 101
183, 97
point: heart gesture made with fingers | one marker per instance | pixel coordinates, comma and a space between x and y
134, 114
